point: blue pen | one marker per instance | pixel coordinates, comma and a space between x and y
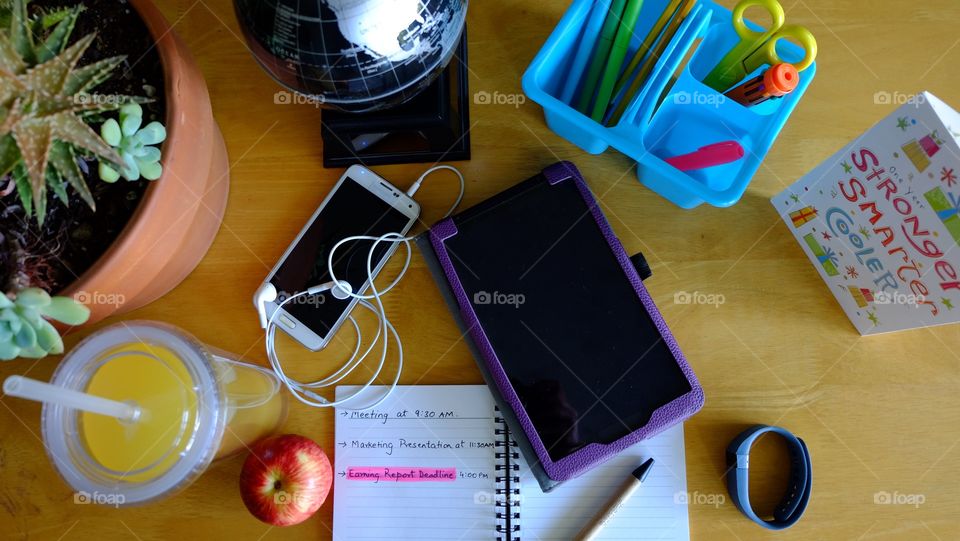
590, 35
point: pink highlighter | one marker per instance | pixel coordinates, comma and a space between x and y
708, 156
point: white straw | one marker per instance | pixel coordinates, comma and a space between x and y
39, 391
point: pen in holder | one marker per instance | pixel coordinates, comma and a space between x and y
661, 120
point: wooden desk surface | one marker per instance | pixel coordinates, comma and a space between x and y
880, 414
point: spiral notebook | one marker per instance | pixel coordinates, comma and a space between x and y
437, 462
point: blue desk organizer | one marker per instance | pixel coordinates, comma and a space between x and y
691, 115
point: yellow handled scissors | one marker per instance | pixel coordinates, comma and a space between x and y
758, 48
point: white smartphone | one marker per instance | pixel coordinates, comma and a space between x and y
361, 203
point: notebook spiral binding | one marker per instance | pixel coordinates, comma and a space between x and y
507, 500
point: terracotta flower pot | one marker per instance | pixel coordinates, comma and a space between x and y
179, 213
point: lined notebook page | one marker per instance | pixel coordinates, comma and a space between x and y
656, 511
418, 466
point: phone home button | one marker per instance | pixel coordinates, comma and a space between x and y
287, 322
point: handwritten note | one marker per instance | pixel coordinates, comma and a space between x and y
419, 466
401, 475
422, 465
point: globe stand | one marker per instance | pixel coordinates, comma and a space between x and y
432, 126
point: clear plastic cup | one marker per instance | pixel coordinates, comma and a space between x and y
197, 404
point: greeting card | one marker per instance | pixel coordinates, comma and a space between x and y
879, 219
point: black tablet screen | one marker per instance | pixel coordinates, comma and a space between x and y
580, 349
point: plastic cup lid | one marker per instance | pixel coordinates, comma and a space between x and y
64, 442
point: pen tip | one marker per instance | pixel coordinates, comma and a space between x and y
642, 471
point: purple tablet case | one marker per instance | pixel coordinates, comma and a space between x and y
550, 469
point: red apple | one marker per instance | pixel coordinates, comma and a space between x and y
285, 479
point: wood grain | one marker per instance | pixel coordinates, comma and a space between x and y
879, 414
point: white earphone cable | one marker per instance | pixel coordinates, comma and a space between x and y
304, 392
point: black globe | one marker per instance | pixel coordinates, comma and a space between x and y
353, 55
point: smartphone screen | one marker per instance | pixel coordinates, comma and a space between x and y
351, 210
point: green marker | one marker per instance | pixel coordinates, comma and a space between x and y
617, 54
600, 54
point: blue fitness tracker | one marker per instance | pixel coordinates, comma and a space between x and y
791, 508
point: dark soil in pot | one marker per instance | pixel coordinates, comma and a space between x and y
73, 237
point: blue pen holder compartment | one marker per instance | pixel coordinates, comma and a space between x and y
689, 115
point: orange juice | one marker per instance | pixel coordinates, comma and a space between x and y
196, 405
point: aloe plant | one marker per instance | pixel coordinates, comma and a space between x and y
44, 101
24, 327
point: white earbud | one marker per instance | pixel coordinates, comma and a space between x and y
341, 289
265, 293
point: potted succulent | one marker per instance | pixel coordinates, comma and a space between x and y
92, 207
25, 328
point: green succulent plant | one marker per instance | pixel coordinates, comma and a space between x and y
44, 101
24, 329
133, 143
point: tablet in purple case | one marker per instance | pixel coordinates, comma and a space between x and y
566, 335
